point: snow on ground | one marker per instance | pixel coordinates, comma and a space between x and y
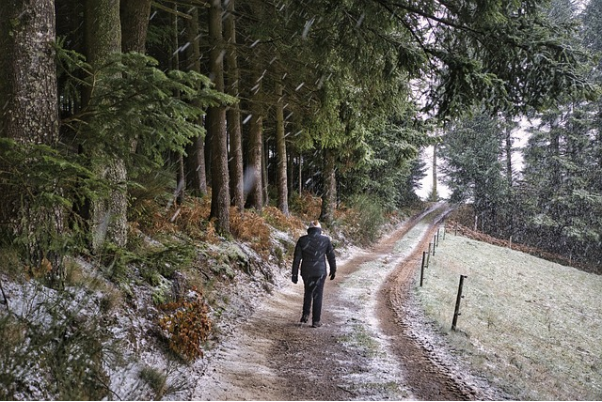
530, 326
555, 312
242, 353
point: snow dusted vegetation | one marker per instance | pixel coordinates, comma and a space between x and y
531, 327
528, 327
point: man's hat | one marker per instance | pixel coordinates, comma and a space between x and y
315, 224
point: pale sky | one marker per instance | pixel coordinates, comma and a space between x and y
520, 140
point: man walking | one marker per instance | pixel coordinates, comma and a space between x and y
311, 252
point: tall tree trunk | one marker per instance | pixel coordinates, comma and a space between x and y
103, 38
434, 196
281, 152
290, 171
180, 192
555, 156
134, 16
28, 87
196, 174
253, 176
233, 114
216, 118
509, 155
264, 173
329, 198
300, 174
196, 171
29, 115
134, 25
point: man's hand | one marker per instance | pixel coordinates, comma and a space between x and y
331, 275
295, 278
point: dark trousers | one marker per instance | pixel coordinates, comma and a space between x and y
314, 290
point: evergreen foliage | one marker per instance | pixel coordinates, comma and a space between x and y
473, 151
361, 86
557, 203
141, 104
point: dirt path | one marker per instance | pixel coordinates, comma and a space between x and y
364, 350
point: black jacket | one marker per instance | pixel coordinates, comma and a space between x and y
311, 252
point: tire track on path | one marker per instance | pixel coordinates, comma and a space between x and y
362, 351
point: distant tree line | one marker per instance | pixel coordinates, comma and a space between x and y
251, 102
554, 199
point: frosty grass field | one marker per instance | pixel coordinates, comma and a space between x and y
531, 327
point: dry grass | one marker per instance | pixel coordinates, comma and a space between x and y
251, 228
531, 326
192, 219
187, 325
307, 206
277, 219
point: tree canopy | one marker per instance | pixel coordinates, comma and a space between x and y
328, 95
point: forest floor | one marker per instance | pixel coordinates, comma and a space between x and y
374, 343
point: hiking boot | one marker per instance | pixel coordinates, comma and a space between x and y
316, 324
304, 318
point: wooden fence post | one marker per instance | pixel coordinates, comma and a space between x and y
458, 298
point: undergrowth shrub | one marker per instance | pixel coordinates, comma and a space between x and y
54, 346
170, 258
363, 219
187, 325
114, 260
10, 263
307, 206
193, 218
250, 227
156, 380
277, 219
13, 334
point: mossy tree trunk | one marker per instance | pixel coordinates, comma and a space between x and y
109, 214
329, 197
216, 120
29, 116
233, 114
196, 173
253, 178
281, 151
134, 25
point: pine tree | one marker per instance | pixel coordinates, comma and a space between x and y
31, 210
